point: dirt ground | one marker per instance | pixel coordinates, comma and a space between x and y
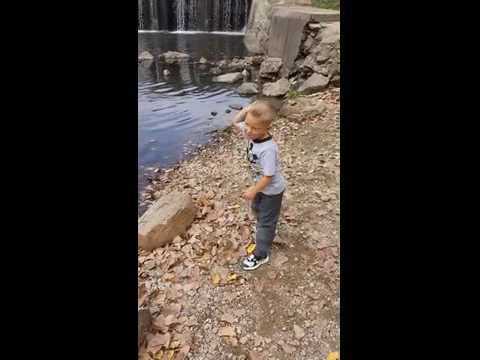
203, 305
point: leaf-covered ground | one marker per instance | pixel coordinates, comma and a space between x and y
204, 306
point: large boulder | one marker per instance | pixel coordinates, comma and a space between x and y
171, 57
168, 217
248, 88
316, 82
277, 88
270, 67
228, 78
145, 55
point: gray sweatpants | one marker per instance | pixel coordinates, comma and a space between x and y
267, 211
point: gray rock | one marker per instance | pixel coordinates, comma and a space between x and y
228, 78
270, 67
277, 88
145, 56
216, 70
331, 33
333, 68
214, 113
248, 88
166, 72
335, 80
307, 45
314, 26
310, 62
236, 106
167, 217
321, 59
316, 82
245, 74
203, 60
171, 57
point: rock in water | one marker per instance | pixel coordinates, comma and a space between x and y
215, 70
228, 111
168, 217
145, 56
245, 74
228, 78
213, 113
314, 83
166, 72
248, 88
236, 106
171, 57
270, 67
277, 88
203, 60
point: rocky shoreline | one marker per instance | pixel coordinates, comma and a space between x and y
288, 309
316, 66
316, 69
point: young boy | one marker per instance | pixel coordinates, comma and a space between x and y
254, 122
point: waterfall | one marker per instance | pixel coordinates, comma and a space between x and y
227, 14
181, 15
216, 15
193, 15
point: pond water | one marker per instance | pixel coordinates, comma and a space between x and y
174, 111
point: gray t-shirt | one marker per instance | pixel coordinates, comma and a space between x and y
264, 160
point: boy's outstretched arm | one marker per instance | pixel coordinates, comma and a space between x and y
239, 117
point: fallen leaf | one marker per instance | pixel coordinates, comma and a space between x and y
279, 260
333, 356
251, 248
299, 332
191, 286
227, 331
245, 233
170, 354
287, 348
170, 319
159, 341
216, 278
172, 309
228, 318
232, 277
159, 323
254, 355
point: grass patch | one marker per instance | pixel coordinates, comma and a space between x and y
292, 94
327, 4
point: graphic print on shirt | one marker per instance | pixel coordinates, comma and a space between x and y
254, 163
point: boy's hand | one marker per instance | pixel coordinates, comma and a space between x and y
250, 193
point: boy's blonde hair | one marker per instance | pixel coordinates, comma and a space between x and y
262, 111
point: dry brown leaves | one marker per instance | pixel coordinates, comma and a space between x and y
202, 256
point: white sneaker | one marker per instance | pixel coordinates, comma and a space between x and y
252, 262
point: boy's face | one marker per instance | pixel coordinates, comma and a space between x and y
255, 128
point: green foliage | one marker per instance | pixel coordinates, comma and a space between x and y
292, 94
327, 4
